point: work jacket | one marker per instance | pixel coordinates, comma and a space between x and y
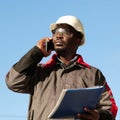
44, 83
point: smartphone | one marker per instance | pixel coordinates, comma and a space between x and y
49, 45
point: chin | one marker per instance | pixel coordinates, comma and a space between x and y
59, 50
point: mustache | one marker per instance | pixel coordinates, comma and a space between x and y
58, 40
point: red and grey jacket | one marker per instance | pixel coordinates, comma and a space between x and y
44, 83
80, 61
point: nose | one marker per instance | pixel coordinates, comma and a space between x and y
58, 34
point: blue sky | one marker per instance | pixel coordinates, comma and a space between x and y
24, 22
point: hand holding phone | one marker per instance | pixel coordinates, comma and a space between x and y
49, 45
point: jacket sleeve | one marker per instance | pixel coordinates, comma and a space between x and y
19, 77
29, 61
106, 115
107, 106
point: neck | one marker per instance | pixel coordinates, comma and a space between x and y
66, 55
67, 58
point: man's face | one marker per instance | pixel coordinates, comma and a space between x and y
64, 39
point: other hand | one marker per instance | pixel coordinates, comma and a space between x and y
91, 115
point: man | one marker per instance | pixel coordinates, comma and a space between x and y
66, 69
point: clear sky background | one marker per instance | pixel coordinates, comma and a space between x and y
24, 22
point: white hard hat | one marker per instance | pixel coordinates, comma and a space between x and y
72, 21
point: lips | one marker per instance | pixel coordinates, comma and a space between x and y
58, 43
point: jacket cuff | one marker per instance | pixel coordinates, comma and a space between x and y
106, 115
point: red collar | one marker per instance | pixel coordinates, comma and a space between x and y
81, 61
52, 61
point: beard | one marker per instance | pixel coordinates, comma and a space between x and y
60, 50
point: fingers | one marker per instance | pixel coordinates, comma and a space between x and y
89, 115
88, 110
41, 44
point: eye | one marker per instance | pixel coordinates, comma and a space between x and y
63, 31
53, 31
